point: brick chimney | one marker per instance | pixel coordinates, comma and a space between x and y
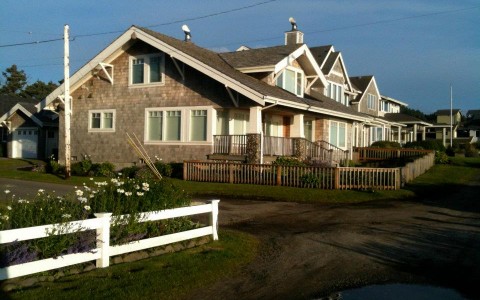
293, 36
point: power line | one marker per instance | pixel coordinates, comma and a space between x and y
149, 26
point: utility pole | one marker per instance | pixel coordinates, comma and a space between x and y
68, 109
451, 116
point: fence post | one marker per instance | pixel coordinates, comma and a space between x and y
103, 239
279, 175
337, 178
185, 168
214, 219
231, 178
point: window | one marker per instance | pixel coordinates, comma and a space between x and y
308, 129
198, 125
147, 69
222, 123
292, 81
178, 124
376, 134
102, 120
371, 101
338, 134
335, 91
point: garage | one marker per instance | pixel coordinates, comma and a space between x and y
25, 143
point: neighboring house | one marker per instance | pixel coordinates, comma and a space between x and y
471, 126
185, 102
25, 131
444, 127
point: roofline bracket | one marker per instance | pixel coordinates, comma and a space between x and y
104, 66
180, 71
232, 97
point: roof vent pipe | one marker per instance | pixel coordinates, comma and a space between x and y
186, 30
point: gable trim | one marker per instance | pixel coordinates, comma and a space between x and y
19, 107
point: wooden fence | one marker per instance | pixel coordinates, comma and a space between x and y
102, 226
293, 176
378, 154
416, 168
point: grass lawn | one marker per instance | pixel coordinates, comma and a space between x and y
169, 276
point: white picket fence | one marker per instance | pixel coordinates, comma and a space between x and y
102, 224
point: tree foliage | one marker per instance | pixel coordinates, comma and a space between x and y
417, 114
15, 84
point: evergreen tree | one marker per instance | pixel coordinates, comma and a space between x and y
15, 81
39, 90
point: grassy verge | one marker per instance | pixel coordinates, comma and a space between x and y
168, 276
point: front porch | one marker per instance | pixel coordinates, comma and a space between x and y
256, 148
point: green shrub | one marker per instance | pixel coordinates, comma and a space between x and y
288, 161
471, 151
54, 167
105, 169
436, 145
309, 180
441, 158
83, 167
164, 168
450, 151
386, 144
129, 172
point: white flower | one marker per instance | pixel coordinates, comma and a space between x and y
128, 194
82, 199
119, 174
79, 192
91, 178
41, 191
139, 194
87, 188
121, 191
137, 187
146, 189
9, 207
66, 216
7, 191
145, 184
91, 196
5, 217
22, 201
86, 207
114, 180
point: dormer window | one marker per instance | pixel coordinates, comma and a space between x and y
292, 81
371, 101
147, 69
337, 93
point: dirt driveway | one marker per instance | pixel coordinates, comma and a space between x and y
310, 251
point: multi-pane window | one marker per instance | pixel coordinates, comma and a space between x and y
147, 69
102, 120
308, 129
198, 125
371, 101
336, 92
338, 134
292, 81
180, 124
376, 134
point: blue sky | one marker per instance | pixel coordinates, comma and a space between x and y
415, 48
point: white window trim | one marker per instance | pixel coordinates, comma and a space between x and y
374, 99
101, 111
342, 99
296, 70
338, 126
185, 113
146, 70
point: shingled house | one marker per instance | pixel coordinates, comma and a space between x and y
186, 102
25, 131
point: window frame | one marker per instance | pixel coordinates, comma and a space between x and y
102, 112
338, 90
146, 69
345, 140
283, 77
371, 101
185, 125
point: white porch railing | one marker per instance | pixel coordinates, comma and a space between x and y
102, 224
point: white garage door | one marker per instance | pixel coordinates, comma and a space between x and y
25, 143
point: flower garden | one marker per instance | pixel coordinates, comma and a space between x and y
119, 196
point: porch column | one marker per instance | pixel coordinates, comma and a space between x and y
400, 135
444, 136
297, 127
424, 133
254, 136
255, 125
414, 132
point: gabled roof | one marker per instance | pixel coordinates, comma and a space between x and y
361, 83
9, 105
330, 62
261, 57
321, 53
215, 66
446, 112
404, 119
394, 100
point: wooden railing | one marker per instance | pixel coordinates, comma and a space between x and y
293, 176
416, 168
281, 146
377, 154
230, 144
